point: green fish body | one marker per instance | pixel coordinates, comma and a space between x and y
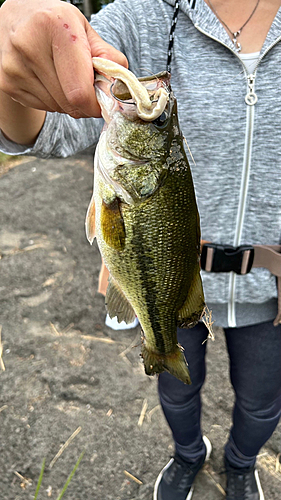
144, 215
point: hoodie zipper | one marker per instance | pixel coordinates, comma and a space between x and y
250, 99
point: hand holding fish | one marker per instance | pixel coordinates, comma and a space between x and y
46, 50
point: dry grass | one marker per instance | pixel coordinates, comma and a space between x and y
130, 476
151, 412
25, 482
211, 475
143, 412
75, 334
271, 463
66, 444
2, 366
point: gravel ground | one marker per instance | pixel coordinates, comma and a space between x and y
66, 371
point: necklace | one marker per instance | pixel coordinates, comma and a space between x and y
235, 34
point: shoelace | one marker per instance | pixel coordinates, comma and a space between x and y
235, 487
180, 474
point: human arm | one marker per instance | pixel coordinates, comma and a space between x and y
18, 123
46, 50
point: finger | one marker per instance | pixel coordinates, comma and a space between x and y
73, 64
55, 95
29, 91
29, 101
100, 48
61, 59
22, 84
79, 91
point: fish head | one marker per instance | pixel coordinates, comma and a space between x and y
128, 134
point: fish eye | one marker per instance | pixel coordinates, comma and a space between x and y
160, 121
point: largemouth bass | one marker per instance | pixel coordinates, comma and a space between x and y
144, 214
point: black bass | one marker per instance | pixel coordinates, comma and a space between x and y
144, 214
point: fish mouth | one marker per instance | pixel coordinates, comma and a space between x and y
115, 95
120, 91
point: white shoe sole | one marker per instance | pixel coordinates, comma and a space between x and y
189, 496
160, 477
259, 485
208, 447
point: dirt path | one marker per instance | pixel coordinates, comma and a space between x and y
66, 371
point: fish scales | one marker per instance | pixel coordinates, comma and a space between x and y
147, 225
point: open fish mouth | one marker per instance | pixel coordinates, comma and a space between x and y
148, 95
121, 92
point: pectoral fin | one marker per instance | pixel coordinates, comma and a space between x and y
192, 309
91, 221
103, 279
117, 304
112, 225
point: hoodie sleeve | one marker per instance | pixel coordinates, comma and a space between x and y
62, 135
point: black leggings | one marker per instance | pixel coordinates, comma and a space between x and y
255, 371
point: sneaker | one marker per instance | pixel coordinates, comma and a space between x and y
242, 484
114, 325
175, 481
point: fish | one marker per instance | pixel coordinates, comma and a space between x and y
144, 215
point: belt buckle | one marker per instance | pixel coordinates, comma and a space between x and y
218, 258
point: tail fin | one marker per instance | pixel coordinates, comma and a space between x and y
174, 363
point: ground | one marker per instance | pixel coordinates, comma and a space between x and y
65, 371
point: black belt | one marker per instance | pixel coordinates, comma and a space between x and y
241, 259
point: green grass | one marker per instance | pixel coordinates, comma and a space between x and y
67, 481
40, 479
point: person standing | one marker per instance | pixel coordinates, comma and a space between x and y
224, 58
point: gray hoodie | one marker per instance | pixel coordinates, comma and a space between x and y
236, 147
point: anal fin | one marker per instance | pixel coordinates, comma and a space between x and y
117, 304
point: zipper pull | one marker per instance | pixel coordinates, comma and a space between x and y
251, 98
